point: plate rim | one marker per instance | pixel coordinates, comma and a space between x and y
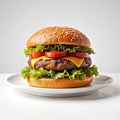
57, 91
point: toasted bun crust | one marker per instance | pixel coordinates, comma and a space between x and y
59, 83
58, 35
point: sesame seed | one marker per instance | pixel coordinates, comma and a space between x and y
71, 40
81, 38
76, 35
73, 37
73, 30
58, 38
67, 33
63, 36
54, 32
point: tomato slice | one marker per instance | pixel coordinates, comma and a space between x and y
36, 54
80, 54
55, 54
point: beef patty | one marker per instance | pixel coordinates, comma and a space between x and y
60, 64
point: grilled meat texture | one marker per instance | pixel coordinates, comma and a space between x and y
60, 64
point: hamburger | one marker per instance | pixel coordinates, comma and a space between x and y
59, 57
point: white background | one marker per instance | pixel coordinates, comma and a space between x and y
98, 19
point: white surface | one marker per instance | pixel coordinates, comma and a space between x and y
98, 19
103, 105
19, 83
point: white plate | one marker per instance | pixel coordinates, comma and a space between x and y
18, 82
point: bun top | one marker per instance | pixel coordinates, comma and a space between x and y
58, 35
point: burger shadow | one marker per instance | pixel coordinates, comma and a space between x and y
104, 93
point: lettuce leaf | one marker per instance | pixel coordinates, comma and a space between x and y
79, 74
73, 74
27, 51
91, 70
63, 74
59, 47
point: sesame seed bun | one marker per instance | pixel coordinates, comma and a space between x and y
59, 83
58, 35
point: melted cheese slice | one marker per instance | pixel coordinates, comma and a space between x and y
77, 61
33, 61
74, 60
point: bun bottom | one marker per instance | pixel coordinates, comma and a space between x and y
59, 83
